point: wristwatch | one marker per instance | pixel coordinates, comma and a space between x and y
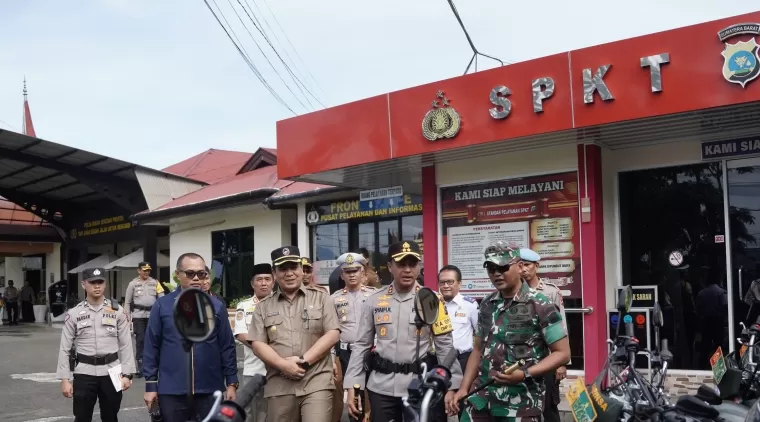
526, 375
305, 365
234, 384
127, 376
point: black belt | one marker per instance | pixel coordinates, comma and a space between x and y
142, 307
385, 366
98, 360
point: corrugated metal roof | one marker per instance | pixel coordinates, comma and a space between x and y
212, 166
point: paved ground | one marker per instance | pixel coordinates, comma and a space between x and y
30, 392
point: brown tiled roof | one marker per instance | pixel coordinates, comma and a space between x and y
13, 214
212, 166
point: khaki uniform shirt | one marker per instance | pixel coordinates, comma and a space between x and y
142, 293
98, 330
555, 295
390, 316
291, 328
348, 304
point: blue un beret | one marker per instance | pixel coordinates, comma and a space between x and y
529, 255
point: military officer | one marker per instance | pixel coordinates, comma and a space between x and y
348, 304
261, 282
530, 261
308, 275
514, 323
293, 331
142, 293
103, 345
389, 314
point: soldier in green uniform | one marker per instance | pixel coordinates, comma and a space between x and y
514, 323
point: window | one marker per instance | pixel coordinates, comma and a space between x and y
232, 264
678, 209
330, 241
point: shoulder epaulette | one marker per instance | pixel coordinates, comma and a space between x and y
469, 299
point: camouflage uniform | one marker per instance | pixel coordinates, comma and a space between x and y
510, 330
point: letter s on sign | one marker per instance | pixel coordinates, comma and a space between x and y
499, 98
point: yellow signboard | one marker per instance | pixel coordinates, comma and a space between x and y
351, 209
580, 402
102, 226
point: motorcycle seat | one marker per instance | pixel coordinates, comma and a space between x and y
695, 407
708, 395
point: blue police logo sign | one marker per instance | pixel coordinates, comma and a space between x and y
741, 62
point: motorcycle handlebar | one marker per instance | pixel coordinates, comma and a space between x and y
245, 396
629, 329
235, 410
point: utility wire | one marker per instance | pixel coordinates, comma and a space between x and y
475, 52
291, 46
292, 76
267, 58
262, 31
249, 62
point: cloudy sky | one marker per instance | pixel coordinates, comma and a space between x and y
156, 81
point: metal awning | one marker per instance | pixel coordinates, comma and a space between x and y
133, 259
699, 126
52, 180
99, 262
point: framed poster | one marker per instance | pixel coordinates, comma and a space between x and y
541, 213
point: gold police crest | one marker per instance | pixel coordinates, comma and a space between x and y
741, 61
441, 121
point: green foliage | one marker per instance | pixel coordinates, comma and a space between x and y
234, 302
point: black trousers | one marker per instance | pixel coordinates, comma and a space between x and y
27, 309
87, 390
343, 357
139, 325
174, 408
551, 398
462, 358
391, 409
12, 312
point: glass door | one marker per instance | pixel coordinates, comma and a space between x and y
743, 290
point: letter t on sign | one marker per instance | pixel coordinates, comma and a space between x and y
655, 72
595, 83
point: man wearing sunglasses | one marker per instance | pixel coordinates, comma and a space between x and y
514, 323
214, 361
102, 342
142, 293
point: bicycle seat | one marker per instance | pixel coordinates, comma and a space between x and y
695, 407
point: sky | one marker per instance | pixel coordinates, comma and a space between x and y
155, 82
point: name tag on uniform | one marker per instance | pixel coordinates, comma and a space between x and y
275, 313
460, 314
343, 346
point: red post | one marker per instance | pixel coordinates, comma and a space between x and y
430, 235
592, 259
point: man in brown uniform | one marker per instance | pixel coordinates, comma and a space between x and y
308, 275
292, 331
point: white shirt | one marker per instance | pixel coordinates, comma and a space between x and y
251, 365
464, 317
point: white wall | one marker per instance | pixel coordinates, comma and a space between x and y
616, 161
193, 234
53, 265
14, 270
506, 166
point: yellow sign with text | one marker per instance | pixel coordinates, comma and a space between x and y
337, 211
104, 225
442, 324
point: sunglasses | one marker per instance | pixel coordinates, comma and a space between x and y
192, 274
493, 269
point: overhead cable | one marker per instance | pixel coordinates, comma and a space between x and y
475, 52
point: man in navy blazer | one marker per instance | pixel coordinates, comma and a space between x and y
164, 363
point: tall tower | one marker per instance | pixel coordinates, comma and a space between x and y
28, 128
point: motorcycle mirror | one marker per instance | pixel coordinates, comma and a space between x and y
625, 297
659, 321
194, 315
426, 305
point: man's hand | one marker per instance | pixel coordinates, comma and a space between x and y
353, 410
335, 372
290, 368
561, 373
150, 398
450, 404
125, 383
231, 393
515, 377
67, 389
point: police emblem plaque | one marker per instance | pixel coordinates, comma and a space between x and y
441, 121
741, 60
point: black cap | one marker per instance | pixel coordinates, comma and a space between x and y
145, 266
262, 269
94, 274
401, 250
286, 254
306, 262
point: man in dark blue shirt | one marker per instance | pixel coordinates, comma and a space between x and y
164, 366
